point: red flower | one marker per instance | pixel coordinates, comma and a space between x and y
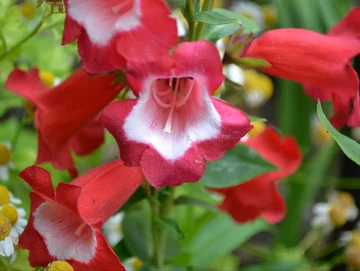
259, 196
65, 224
175, 125
320, 62
65, 115
113, 31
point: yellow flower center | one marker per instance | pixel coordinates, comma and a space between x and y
10, 213
28, 10
137, 264
59, 266
5, 155
47, 77
345, 199
321, 135
5, 227
4, 195
355, 238
259, 127
270, 15
337, 215
255, 81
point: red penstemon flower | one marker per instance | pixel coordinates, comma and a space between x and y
259, 196
320, 62
65, 224
66, 115
113, 31
175, 125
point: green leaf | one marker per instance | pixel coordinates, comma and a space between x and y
255, 118
195, 202
222, 16
213, 17
216, 32
252, 62
350, 147
137, 234
219, 237
135, 198
238, 165
171, 226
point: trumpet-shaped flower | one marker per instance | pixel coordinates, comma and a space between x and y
175, 125
65, 115
111, 32
320, 62
259, 196
65, 224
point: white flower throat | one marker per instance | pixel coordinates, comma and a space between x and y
172, 93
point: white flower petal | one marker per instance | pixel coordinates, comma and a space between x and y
4, 173
6, 247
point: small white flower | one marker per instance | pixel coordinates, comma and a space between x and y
234, 73
5, 161
250, 10
339, 209
180, 22
112, 229
132, 264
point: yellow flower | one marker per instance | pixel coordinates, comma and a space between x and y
5, 154
59, 266
5, 227
48, 78
258, 88
4, 195
28, 10
259, 127
10, 212
320, 135
270, 15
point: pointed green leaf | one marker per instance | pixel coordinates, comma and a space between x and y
216, 32
238, 165
350, 147
171, 226
251, 62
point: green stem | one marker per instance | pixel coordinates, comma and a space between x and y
200, 28
255, 250
189, 12
157, 211
26, 38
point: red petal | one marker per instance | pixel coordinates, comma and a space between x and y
323, 63
200, 57
26, 84
99, 188
113, 118
188, 168
105, 259
39, 179
31, 240
349, 26
82, 96
88, 138
234, 125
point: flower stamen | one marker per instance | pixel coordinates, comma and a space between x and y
5, 227
79, 229
167, 128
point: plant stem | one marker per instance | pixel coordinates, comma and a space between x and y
26, 38
200, 28
158, 211
189, 12
17, 134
